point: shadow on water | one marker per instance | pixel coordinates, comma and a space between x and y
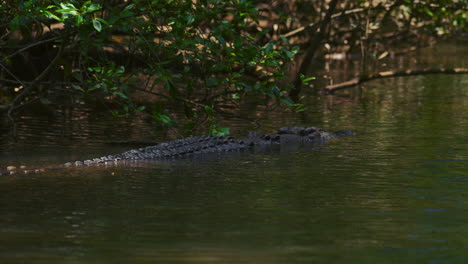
397, 192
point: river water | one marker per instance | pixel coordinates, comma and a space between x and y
395, 193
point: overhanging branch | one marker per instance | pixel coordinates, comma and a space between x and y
18, 99
390, 74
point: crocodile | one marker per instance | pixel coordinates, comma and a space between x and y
205, 145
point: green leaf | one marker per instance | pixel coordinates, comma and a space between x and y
94, 87
67, 6
211, 81
219, 131
287, 101
129, 7
45, 101
221, 40
120, 70
269, 47
122, 95
209, 110
77, 87
49, 15
165, 119
289, 53
93, 8
78, 20
14, 23
190, 19
305, 80
102, 20
78, 76
67, 10
428, 11
284, 39
97, 25
140, 109
299, 108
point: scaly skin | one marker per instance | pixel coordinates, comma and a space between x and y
195, 146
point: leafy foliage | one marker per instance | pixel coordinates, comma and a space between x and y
198, 56
379, 25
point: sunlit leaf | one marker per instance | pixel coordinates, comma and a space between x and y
97, 25
93, 8
103, 21
77, 87
78, 20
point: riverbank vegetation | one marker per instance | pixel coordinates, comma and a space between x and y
199, 58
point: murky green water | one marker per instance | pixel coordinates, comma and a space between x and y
396, 193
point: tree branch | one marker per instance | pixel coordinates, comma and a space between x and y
9, 81
313, 25
314, 45
18, 99
330, 89
18, 81
30, 46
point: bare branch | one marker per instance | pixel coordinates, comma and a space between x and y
12, 75
314, 25
29, 46
315, 43
390, 74
33, 84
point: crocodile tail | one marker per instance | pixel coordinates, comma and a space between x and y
10, 170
